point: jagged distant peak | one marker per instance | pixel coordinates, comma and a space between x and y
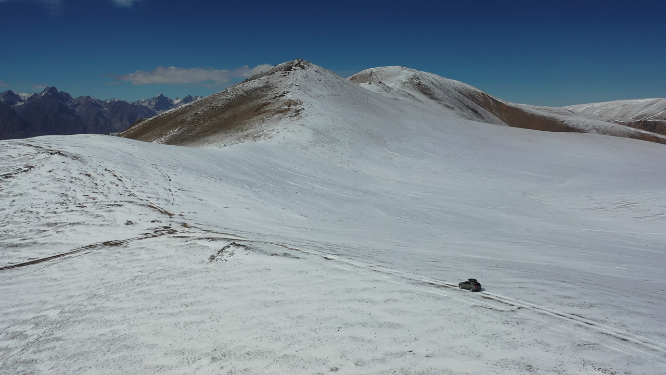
14, 98
9, 97
58, 95
185, 100
50, 90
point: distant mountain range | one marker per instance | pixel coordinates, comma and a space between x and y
56, 112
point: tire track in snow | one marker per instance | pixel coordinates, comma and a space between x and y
511, 303
587, 323
520, 304
98, 245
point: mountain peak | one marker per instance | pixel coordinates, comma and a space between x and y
50, 90
9, 97
59, 95
297, 64
285, 68
385, 74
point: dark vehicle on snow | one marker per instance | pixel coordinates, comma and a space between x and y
471, 284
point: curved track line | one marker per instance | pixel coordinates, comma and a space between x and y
509, 301
588, 323
525, 305
97, 245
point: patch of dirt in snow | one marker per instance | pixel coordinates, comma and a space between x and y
226, 252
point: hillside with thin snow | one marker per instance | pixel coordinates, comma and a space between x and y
427, 90
322, 226
645, 114
637, 109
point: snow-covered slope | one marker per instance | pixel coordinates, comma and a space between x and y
645, 114
354, 248
623, 110
429, 91
332, 239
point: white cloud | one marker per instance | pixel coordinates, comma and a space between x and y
173, 75
125, 3
51, 3
3, 83
54, 5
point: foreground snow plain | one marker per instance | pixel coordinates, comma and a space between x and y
335, 248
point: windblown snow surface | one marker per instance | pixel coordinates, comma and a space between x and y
335, 246
623, 110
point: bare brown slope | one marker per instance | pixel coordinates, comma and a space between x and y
541, 118
654, 126
236, 112
517, 117
561, 120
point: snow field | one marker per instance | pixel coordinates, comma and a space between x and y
161, 306
386, 207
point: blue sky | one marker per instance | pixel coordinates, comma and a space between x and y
536, 52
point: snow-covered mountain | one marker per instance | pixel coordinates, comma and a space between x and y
326, 232
299, 89
623, 110
161, 103
56, 112
427, 89
645, 114
12, 98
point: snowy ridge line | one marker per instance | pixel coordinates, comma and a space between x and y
656, 114
156, 233
584, 322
